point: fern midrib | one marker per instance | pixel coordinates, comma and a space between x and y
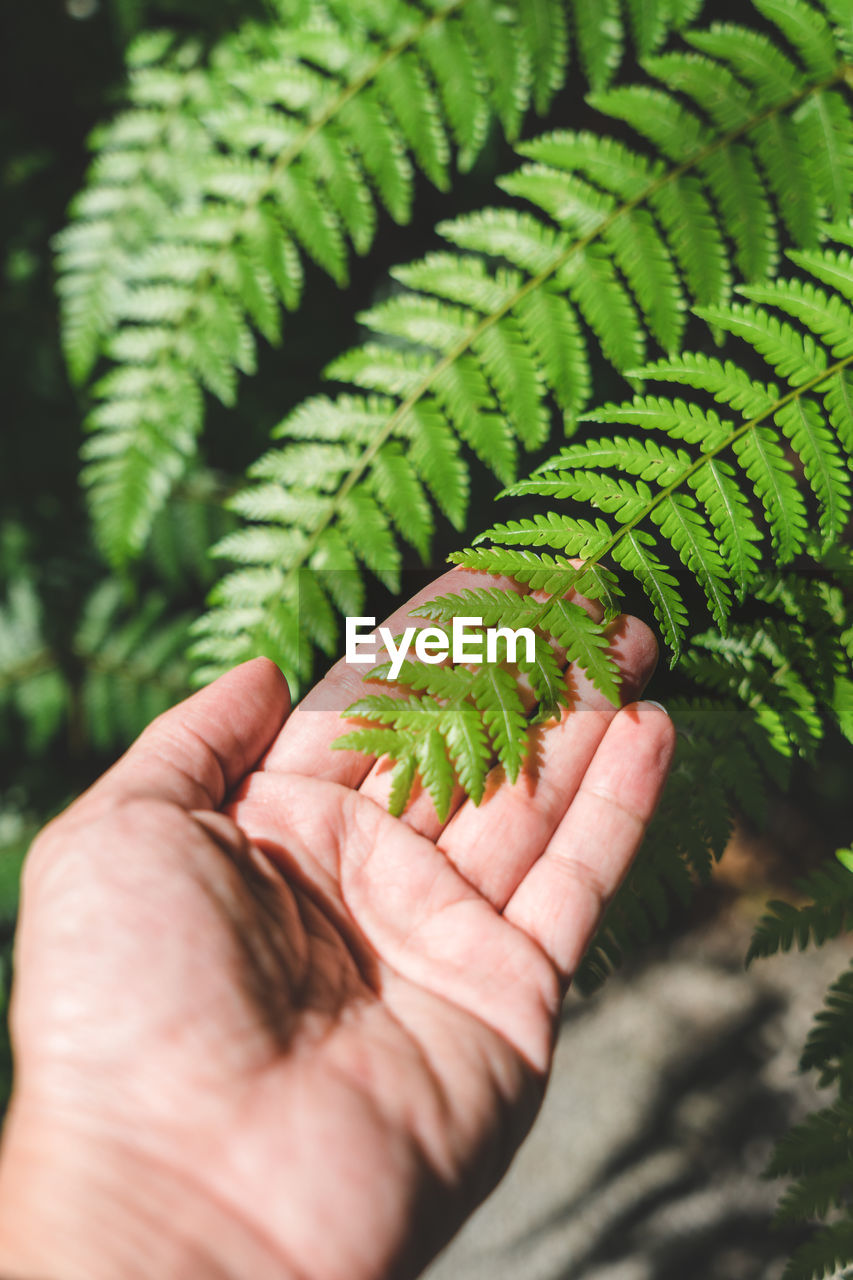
843, 73
292, 153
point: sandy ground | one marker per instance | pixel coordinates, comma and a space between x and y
669, 1089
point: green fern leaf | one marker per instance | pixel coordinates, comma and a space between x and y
600, 37
716, 487
680, 420
495, 693
725, 381
823, 1255
468, 748
684, 528
573, 628
829, 1045
645, 262
634, 552
709, 84
402, 781
745, 210
547, 37
823, 123
223, 171
810, 1147
697, 243
825, 469
824, 314
649, 23
783, 925
670, 127
435, 772
606, 306
752, 56
794, 356
554, 337
765, 464
838, 398
806, 30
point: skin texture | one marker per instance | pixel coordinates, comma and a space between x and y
263, 1029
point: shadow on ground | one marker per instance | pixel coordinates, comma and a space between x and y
669, 1091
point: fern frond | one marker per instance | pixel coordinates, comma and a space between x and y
34, 692
714, 533
825, 916
134, 664
811, 1146
823, 1255
208, 190
731, 755
184, 530
829, 1047
479, 340
819, 1193
817, 1154
786, 679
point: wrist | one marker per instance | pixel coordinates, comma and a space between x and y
77, 1208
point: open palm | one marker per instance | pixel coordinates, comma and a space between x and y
308, 1035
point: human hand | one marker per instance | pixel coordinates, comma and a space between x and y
301, 1038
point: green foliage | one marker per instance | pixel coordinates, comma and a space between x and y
134, 664
825, 916
185, 529
123, 666
817, 1154
829, 1047
224, 171
678, 517
33, 693
241, 166
477, 346
757, 701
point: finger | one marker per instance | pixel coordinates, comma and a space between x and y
305, 744
560, 900
197, 751
495, 844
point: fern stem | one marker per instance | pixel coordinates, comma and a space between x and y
844, 73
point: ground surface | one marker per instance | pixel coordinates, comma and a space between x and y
669, 1090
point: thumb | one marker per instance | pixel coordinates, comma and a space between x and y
196, 752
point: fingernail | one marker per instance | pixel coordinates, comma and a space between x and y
659, 705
